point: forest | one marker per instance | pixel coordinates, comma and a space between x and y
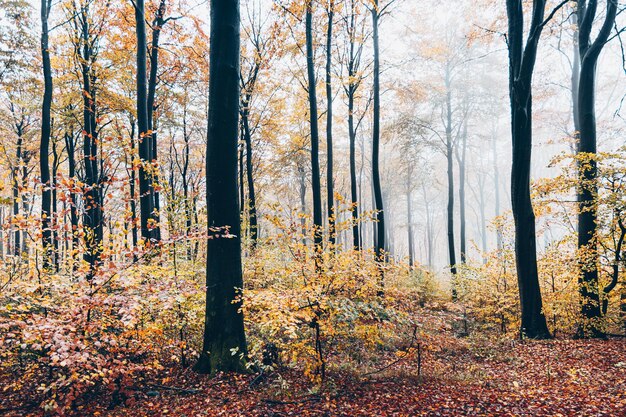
312, 208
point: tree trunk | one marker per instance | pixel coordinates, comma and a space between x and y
315, 164
378, 195
92, 218
521, 65
157, 26
461, 162
351, 92
252, 218
330, 193
44, 145
409, 217
223, 328
588, 211
70, 147
450, 171
146, 189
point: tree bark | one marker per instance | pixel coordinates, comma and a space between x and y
521, 66
146, 188
223, 328
315, 164
44, 144
378, 195
330, 193
351, 90
92, 197
157, 26
587, 164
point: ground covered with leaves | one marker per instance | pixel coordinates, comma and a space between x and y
446, 376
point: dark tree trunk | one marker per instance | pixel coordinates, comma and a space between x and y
54, 220
17, 246
44, 145
315, 153
353, 85
330, 193
378, 195
588, 211
147, 199
521, 65
252, 218
185, 178
92, 218
223, 329
450, 171
157, 26
70, 147
132, 183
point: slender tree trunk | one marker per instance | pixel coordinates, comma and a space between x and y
351, 92
252, 218
44, 145
330, 193
70, 146
132, 190
496, 186
450, 171
521, 65
223, 328
315, 164
54, 213
409, 216
463, 223
378, 195
17, 246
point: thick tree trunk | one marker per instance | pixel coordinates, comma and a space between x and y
92, 218
315, 164
587, 147
146, 189
330, 193
223, 328
521, 65
157, 26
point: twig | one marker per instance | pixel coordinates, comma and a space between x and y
413, 339
183, 390
279, 402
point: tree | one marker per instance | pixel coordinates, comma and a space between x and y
315, 154
354, 53
330, 193
149, 222
521, 67
224, 342
44, 144
589, 51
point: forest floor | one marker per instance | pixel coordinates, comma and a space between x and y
480, 375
